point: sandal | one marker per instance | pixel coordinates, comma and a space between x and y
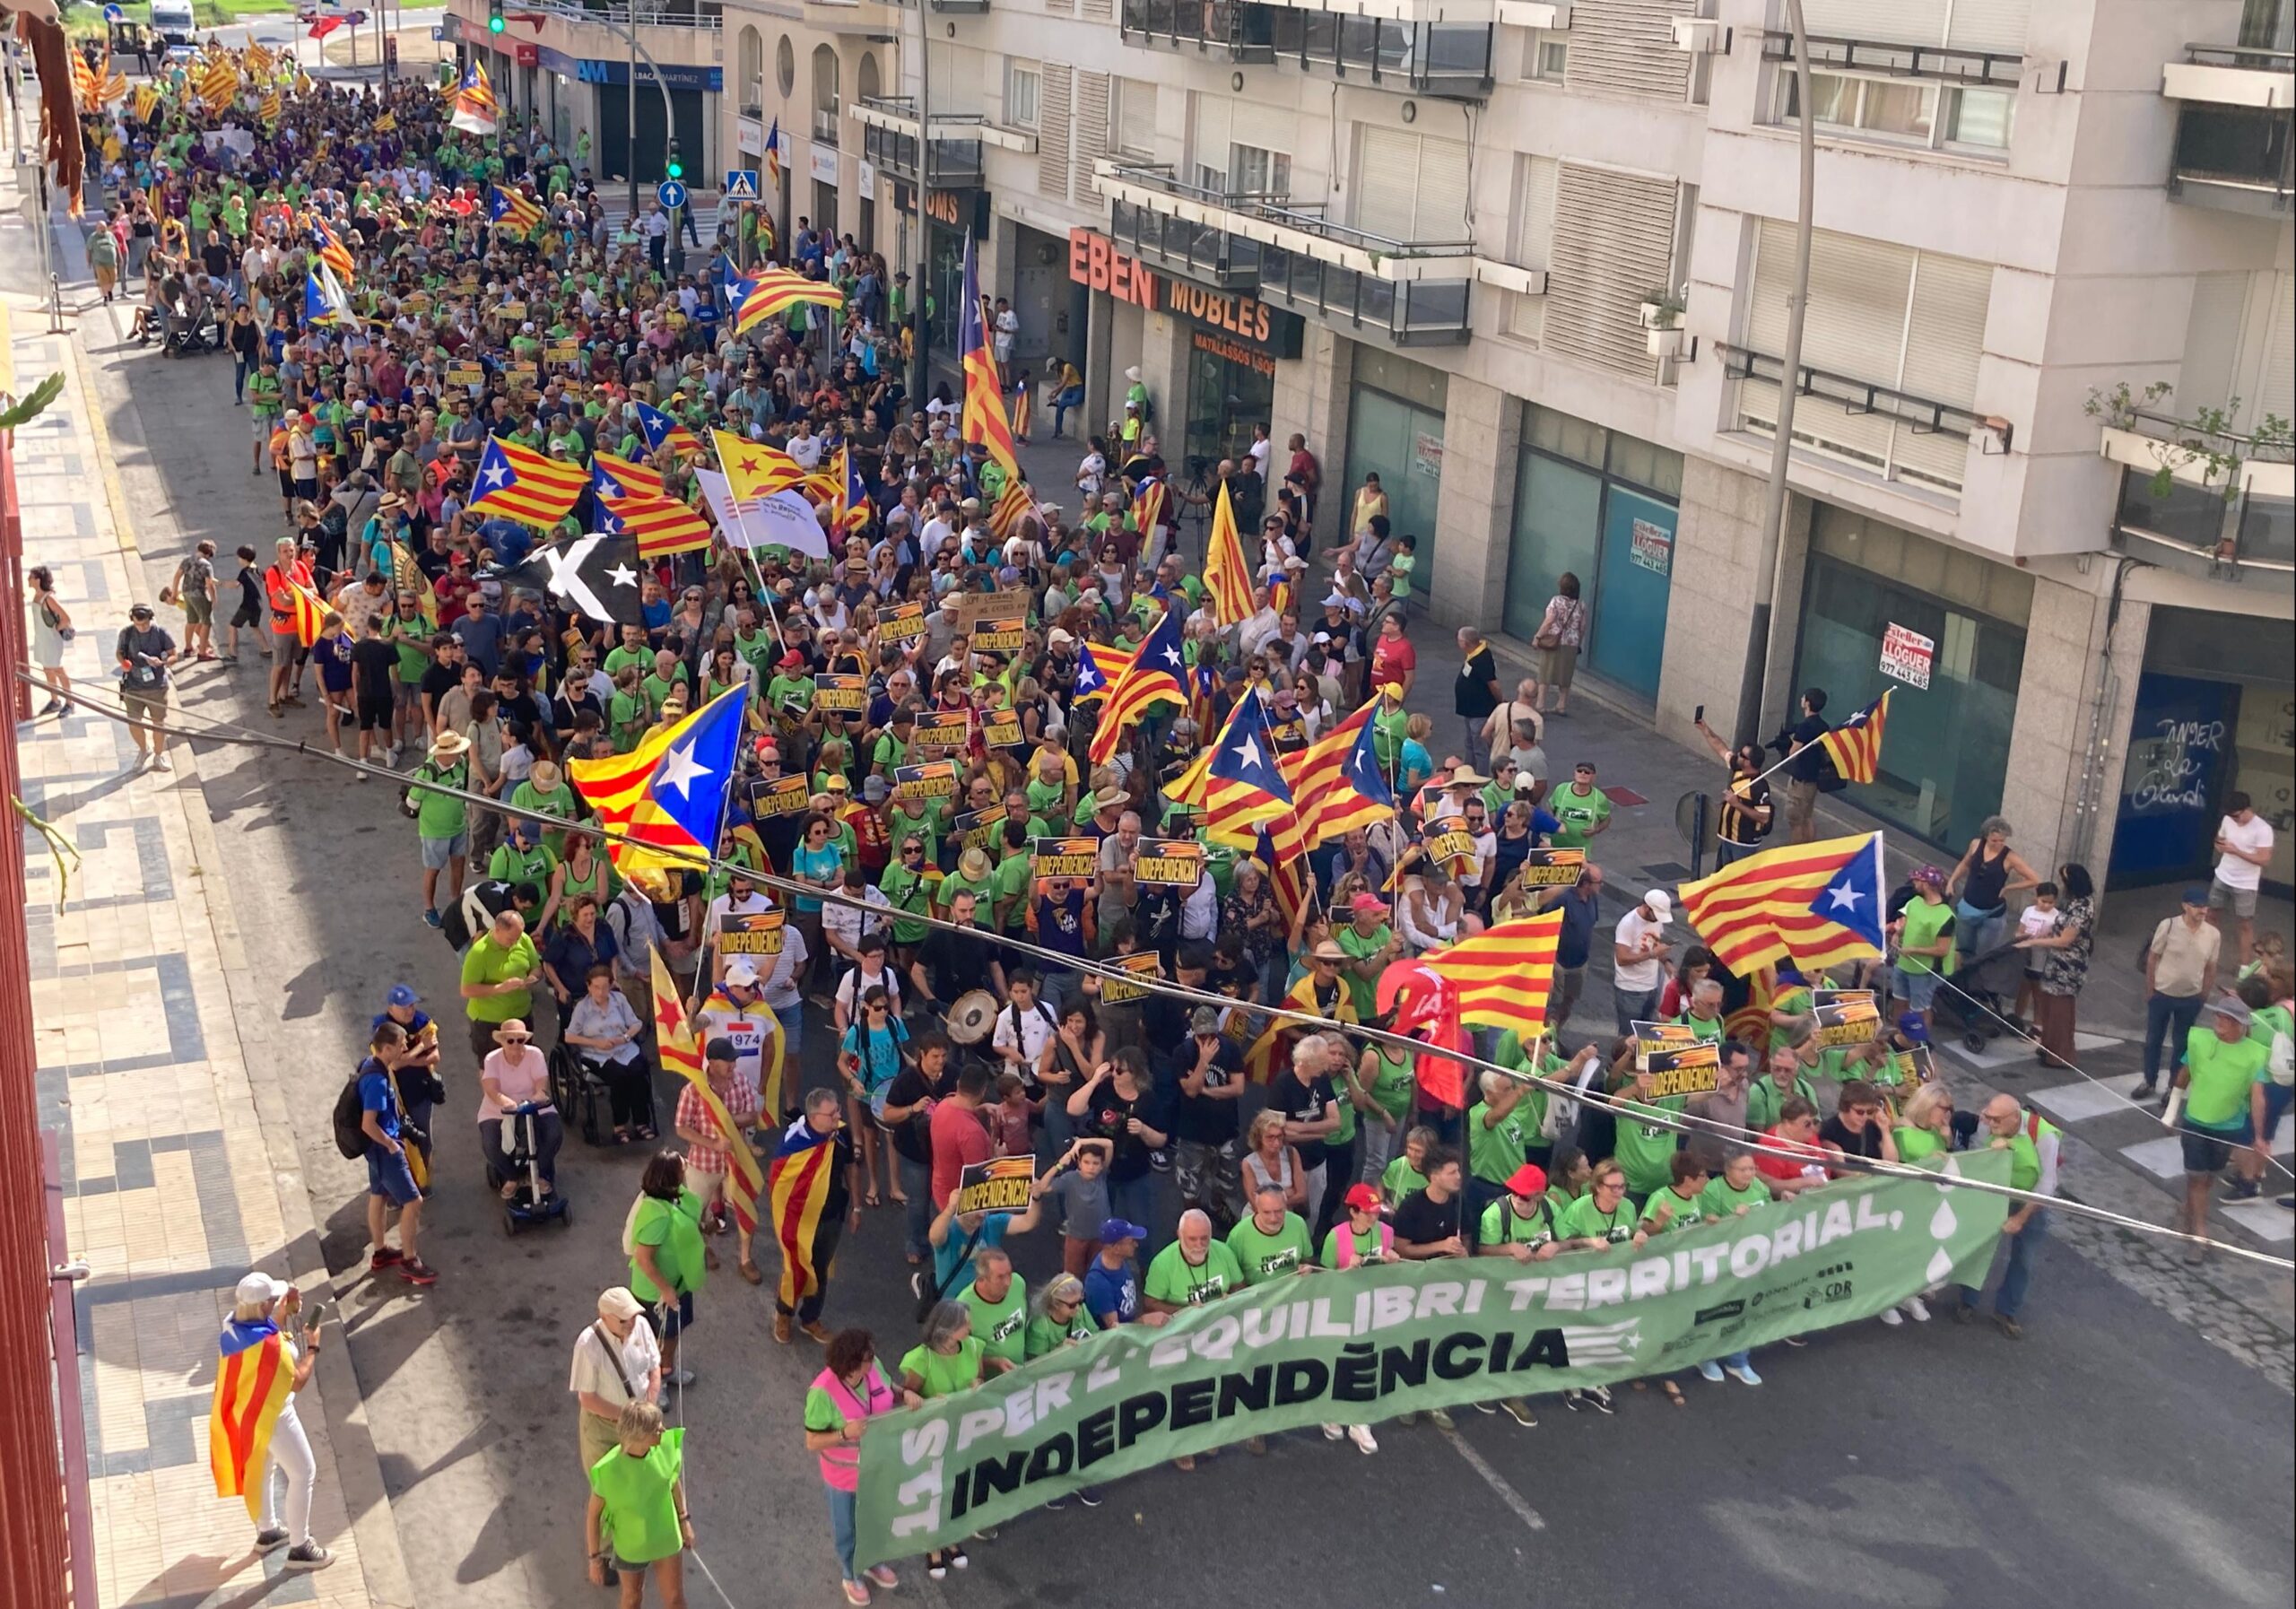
750, 1272
647, 1136
1673, 1393
622, 1136
871, 1201
510, 1189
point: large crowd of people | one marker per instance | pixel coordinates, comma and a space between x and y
924, 1007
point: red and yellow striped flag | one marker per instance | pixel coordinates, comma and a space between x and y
662, 524
254, 1379
680, 1047
629, 477
1502, 975
522, 484
805, 1166
1013, 506
1226, 575
983, 418
310, 615
1855, 747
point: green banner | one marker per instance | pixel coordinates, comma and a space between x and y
1364, 1346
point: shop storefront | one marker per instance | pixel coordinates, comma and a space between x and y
1233, 342
1602, 507
602, 84
1944, 631
949, 215
2215, 711
1395, 431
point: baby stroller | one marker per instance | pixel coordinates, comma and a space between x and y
1979, 994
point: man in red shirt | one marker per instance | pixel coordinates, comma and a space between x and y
287, 571
960, 1135
1797, 1124
1393, 658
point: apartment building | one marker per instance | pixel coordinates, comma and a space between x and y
1447, 242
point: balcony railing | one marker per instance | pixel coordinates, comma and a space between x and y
653, 13
2195, 530
957, 8
1297, 226
1197, 251
1924, 414
1451, 59
824, 128
1424, 312
955, 160
1882, 59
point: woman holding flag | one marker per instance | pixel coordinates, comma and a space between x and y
252, 1429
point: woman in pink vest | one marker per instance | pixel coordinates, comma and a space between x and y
839, 1404
1360, 1241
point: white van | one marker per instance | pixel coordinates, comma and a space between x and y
173, 21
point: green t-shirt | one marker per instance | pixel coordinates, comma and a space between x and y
1644, 1150
1172, 1278
955, 883
1915, 1144
1358, 946
641, 1510
1763, 1097
1263, 1257
1708, 1032
1048, 1334
640, 656
1011, 882
414, 658
1718, 1200
2222, 1074
905, 890
440, 815
1923, 923
264, 393
945, 1374
1045, 798
1686, 1209
1583, 1220
1495, 1152
1502, 1225
1391, 1083
531, 868
486, 962
674, 1229
1579, 813
1399, 570
1000, 1326
1401, 1179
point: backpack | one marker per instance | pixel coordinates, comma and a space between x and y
350, 1120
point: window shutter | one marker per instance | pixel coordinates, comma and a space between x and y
2276, 386
1091, 126
1629, 45
1067, 8
1998, 25
1945, 337
1533, 240
1386, 183
1099, 11
1208, 135
1052, 133
1911, 22
1256, 123
2213, 335
1442, 210
1135, 100
1613, 241
1854, 327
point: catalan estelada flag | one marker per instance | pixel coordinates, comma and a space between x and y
773, 158
1816, 905
1149, 501
1501, 976
1273, 1050
1244, 787
476, 110
1098, 666
1226, 575
1337, 785
330, 249
771, 292
665, 434
854, 508
680, 1047
1152, 678
254, 1376
514, 212
520, 483
983, 418
1855, 747
660, 804
611, 477
805, 1166
752, 470
662, 524
1750, 1024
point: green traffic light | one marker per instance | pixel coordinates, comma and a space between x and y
677, 169
494, 25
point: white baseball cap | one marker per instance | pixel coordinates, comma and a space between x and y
258, 1288
1661, 903
740, 972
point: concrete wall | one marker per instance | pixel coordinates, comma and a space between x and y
1717, 577
1482, 433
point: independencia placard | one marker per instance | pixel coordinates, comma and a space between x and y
1178, 862
1364, 1346
1064, 857
756, 935
1552, 869
1000, 1184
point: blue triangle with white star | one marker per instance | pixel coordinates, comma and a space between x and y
1853, 897
1245, 755
689, 786
1362, 768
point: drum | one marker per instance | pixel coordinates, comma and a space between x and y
970, 1020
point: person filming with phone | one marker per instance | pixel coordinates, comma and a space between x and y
263, 1313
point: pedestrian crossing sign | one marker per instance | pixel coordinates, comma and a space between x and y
741, 184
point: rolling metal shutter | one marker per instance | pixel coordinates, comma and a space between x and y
1613, 242
1998, 25
1944, 337
1091, 131
1533, 241
1411, 186
1052, 133
1629, 45
1136, 113
1856, 327
2276, 388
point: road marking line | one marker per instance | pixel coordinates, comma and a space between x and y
1497, 1483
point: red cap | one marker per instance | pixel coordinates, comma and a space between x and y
1364, 1198
1530, 1180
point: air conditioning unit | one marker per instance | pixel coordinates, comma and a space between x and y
1701, 36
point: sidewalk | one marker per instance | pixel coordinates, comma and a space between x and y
178, 1172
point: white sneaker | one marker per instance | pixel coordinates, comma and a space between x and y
160, 763
1710, 1371
1893, 1318
1744, 1373
1333, 1433
1361, 1434
1916, 1310
679, 1377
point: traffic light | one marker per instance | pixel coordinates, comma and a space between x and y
494, 23
675, 169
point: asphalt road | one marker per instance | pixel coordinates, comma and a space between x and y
2115, 1457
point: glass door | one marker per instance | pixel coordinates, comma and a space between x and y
1402, 444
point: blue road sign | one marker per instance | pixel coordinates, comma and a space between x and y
741, 184
670, 193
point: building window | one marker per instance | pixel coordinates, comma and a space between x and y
1902, 111
753, 70
1023, 94
1546, 58
1132, 117
1254, 171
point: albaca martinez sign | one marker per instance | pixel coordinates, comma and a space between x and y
1364, 1346
1096, 261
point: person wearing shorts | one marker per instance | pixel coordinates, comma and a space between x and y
391, 1159
1923, 932
195, 590
333, 653
2225, 1077
374, 688
144, 653
288, 572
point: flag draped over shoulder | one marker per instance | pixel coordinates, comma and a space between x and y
805, 1166
666, 796
1816, 905
255, 1377
1501, 976
1273, 1048
983, 418
680, 1052
1855, 747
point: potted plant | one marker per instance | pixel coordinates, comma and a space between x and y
1662, 319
